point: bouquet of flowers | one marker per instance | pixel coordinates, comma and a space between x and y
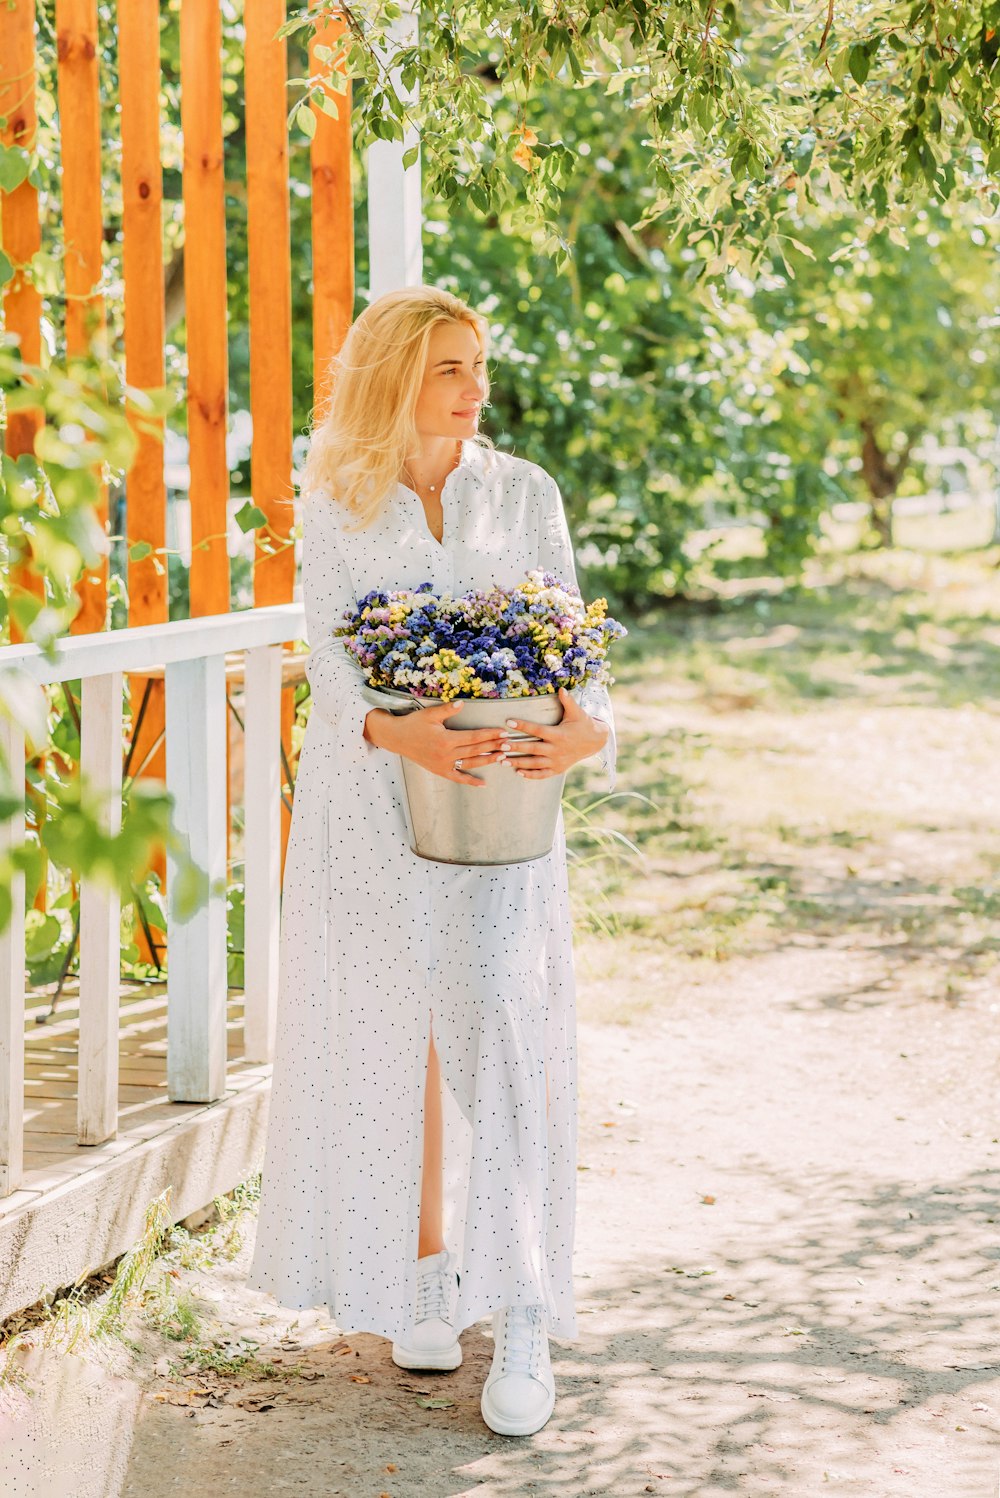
526, 641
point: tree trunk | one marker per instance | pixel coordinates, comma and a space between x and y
881, 472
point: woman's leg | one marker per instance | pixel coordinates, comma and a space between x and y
432, 1342
431, 1239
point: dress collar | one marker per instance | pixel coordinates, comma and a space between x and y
474, 458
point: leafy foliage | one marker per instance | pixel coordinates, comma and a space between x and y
47, 505
747, 112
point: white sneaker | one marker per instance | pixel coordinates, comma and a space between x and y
519, 1394
431, 1341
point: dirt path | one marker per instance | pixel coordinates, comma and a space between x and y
788, 1272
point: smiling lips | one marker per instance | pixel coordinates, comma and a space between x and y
470, 412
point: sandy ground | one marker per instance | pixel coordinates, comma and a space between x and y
788, 1272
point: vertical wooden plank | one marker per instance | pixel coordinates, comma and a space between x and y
332, 250
80, 152
100, 917
12, 982
394, 203
262, 847
205, 301
270, 316
196, 972
332, 213
270, 297
142, 260
21, 237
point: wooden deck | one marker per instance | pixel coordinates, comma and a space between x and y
81, 1206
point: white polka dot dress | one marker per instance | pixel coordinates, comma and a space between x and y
378, 946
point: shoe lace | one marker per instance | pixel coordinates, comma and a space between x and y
433, 1292
522, 1347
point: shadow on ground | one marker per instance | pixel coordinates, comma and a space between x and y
784, 1362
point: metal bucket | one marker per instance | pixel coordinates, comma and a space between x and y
511, 820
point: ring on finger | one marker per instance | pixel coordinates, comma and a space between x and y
458, 764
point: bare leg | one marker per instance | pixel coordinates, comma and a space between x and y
431, 1239
431, 1235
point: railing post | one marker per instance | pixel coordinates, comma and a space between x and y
12, 975
262, 849
100, 919
196, 947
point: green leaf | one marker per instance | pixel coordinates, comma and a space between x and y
838, 67
139, 551
306, 120
15, 166
859, 62
249, 517
41, 933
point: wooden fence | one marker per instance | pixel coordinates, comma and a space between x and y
136, 41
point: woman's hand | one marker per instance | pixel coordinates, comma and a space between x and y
422, 737
577, 737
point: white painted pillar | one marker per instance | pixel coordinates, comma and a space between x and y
262, 849
196, 946
12, 975
394, 199
100, 920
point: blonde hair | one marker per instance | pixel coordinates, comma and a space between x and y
362, 437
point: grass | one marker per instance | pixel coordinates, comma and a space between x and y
91, 1317
813, 760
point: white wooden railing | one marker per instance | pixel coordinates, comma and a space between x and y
192, 653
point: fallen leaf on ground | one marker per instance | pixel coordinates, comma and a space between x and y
436, 1403
360, 1378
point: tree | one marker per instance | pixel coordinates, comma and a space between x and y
899, 337
750, 113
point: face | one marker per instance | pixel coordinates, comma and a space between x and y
454, 384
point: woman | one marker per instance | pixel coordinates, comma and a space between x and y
411, 1208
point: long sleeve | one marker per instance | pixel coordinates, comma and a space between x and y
555, 554
335, 684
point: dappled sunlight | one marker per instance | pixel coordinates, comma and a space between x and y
788, 812
889, 628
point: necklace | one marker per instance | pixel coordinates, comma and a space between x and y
433, 487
